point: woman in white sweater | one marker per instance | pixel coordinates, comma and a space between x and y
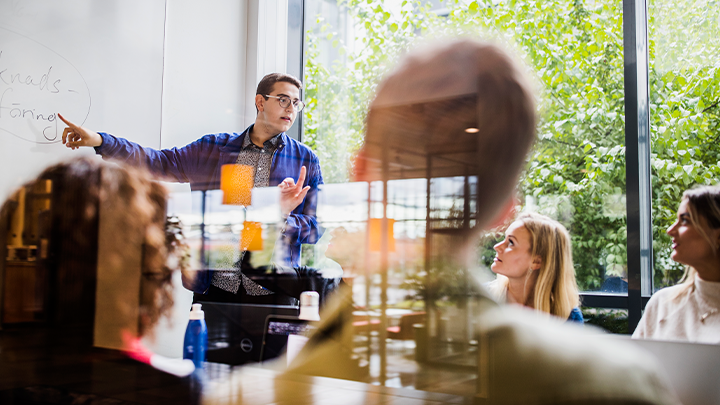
690, 311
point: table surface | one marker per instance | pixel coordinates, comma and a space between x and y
253, 385
41, 362
390, 312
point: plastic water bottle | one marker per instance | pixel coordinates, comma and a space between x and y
196, 337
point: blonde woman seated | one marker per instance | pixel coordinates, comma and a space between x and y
690, 311
535, 268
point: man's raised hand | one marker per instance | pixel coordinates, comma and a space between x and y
292, 194
75, 136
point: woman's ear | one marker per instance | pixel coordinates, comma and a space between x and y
536, 263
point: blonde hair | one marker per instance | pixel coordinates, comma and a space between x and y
704, 207
556, 290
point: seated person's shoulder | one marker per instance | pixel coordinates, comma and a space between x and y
576, 315
541, 360
665, 296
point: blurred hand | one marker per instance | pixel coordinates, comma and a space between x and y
291, 194
75, 136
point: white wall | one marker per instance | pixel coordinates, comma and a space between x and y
216, 52
204, 76
267, 26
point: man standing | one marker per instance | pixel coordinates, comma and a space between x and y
278, 160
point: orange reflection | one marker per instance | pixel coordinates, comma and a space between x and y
236, 182
251, 236
375, 225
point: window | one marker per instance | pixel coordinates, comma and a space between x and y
684, 115
578, 173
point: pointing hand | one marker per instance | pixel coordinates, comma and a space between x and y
75, 136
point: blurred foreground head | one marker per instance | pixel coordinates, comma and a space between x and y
90, 195
462, 107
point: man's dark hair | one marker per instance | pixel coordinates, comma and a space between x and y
266, 84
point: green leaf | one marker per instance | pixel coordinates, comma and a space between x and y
559, 124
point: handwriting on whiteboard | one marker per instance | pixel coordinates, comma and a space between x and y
35, 83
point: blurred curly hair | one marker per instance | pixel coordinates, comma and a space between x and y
79, 188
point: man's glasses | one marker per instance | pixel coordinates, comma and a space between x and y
285, 102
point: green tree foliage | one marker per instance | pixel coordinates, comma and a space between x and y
685, 115
575, 52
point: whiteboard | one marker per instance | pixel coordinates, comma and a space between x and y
99, 63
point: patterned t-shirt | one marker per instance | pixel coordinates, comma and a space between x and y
260, 159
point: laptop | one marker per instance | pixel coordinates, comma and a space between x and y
235, 331
283, 334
